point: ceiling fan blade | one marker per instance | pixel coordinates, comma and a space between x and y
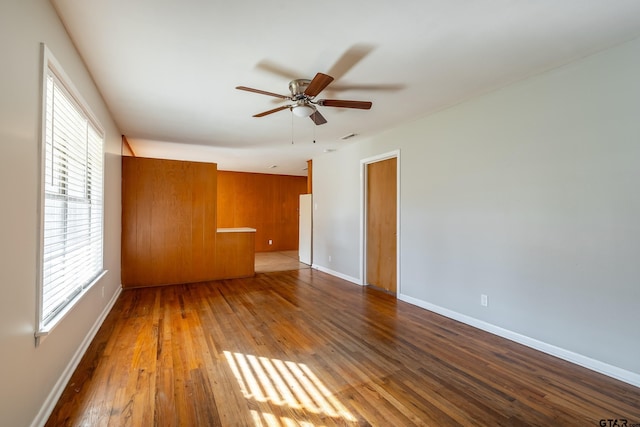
318, 118
349, 59
362, 105
317, 85
262, 92
368, 87
277, 69
275, 110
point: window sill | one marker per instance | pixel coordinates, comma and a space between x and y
44, 330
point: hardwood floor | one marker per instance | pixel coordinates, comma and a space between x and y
267, 262
304, 348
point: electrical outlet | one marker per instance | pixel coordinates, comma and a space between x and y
103, 292
484, 300
329, 258
270, 242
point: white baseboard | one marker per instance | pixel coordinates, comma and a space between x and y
56, 392
578, 359
337, 274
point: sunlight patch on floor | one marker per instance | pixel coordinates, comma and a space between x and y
283, 383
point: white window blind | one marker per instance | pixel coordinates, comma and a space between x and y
72, 208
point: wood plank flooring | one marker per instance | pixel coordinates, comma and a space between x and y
304, 348
268, 262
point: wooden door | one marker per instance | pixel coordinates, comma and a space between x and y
381, 224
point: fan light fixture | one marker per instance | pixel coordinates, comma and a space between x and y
303, 94
303, 110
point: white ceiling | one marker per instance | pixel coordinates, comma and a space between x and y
168, 69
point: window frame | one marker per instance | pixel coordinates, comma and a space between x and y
49, 65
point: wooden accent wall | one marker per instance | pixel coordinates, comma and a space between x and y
168, 221
127, 149
268, 203
235, 254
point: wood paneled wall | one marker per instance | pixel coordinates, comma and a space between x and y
231, 254
127, 149
168, 221
268, 203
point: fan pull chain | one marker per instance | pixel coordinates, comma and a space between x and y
291, 127
314, 133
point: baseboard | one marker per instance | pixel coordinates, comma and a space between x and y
578, 359
337, 274
56, 392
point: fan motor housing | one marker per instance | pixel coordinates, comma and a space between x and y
297, 88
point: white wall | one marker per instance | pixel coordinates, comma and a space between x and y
29, 374
529, 194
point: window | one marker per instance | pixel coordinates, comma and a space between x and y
71, 198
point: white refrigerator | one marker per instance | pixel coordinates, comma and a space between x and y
305, 229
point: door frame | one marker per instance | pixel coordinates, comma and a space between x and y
363, 215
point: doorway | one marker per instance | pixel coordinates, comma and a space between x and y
381, 224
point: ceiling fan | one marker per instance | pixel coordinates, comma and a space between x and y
303, 94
